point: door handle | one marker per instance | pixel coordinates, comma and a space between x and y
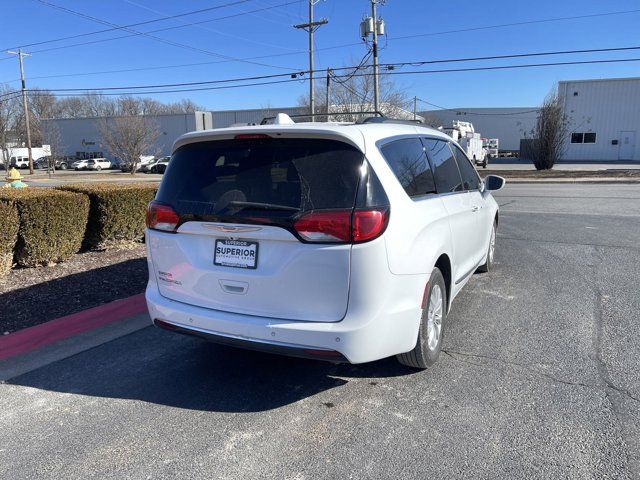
475, 208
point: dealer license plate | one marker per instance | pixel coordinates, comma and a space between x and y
236, 253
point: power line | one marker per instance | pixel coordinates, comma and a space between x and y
148, 34
391, 67
159, 39
137, 24
476, 113
445, 32
414, 72
516, 24
400, 64
209, 29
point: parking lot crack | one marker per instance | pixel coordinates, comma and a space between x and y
529, 368
601, 366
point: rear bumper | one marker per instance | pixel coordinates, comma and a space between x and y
268, 347
374, 328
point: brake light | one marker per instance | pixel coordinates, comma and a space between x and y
342, 225
161, 217
251, 136
368, 224
325, 226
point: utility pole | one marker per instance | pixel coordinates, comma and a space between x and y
415, 107
20, 54
311, 27
376, 90
328, 92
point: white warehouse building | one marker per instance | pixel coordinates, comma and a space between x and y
80, 137
604, 119
508, 125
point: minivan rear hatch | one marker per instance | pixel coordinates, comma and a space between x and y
236, 247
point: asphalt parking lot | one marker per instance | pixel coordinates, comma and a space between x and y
539, 379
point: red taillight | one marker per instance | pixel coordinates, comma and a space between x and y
342, 225
325, 226
368, 224
161, 217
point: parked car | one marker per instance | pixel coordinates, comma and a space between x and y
160, 166
98, 164
41, 163
290, 238
146, 168
19, 162
144, 161
62, 163
80, 164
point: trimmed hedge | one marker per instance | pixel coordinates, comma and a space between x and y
117, 211
51, 224
8, 234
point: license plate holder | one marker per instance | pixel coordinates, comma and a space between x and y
236, 254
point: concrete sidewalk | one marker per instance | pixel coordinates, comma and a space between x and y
525, 165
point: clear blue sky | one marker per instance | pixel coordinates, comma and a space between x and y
270, 33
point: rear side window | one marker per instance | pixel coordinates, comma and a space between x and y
446, 173
470, 178
271, 177
408, 160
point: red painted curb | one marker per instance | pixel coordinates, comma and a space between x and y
24, 341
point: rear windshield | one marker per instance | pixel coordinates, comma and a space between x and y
261, 177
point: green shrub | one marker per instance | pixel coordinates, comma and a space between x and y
8, 234
117, 211
51, 224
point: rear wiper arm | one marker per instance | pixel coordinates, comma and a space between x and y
264, 206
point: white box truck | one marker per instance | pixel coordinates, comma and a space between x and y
469, 140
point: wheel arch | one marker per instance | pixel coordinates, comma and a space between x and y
444, 264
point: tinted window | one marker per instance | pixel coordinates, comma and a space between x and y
445, 170
408, 161
261, 177
470, 180
589, 138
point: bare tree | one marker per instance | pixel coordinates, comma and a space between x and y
9, 112
549, 133
129, 138
355, 94
51, 136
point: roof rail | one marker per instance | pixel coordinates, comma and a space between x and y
390, 120
266, 120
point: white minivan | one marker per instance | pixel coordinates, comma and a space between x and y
342, 242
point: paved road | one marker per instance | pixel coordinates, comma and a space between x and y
539, 379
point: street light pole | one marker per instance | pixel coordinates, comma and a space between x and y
20, 54
311, 27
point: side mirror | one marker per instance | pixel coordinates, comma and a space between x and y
493, 183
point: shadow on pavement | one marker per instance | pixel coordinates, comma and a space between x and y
163, 368
25, 307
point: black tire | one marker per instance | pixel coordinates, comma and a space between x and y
98, 168
63, 166
423, 356
491, 252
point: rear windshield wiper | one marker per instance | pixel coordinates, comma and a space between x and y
263, 206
